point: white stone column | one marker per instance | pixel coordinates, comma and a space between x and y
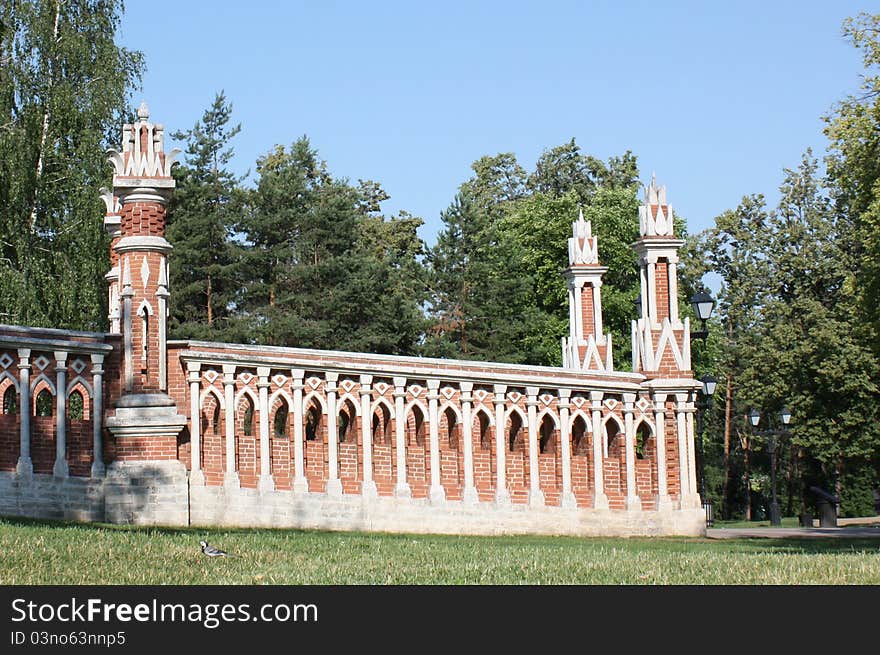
437, 493
196, 477
368, 488
663, 500
300, 483
597, 308
24, 466
401, 489
470, 495
691, 454
579, 309
60, 470
502, 494
633, 502
672, 270
652, 291
536, 496
162, 296
681, 423
334, 484
127, 345
266, 481
230, 478
600, 500
564, 405
98, 468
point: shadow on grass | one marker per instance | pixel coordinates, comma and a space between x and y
754, 545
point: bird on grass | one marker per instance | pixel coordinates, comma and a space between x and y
211, 551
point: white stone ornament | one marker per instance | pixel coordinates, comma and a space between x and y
211, 375
245, 378
5, 360
279, 379
41, 362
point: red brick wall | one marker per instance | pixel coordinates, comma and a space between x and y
10, 441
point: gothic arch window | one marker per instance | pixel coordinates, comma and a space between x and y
643, 434
514, 434
247, 418
613, 438
10, 401
382, 425
75, 406
546, 441
347, 422
451, 427
484, 425
419, 425
313, 423
579, 436
280, 422
44, 403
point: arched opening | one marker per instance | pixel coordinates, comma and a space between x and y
247, 417
347, 422
279, 423
614, 438
313, 423
75, 406
643, 434
381, 428
10, 401
515, 432
420, 426
43, 404
483, 427
547, 434
579, 436
452, 427
215, 419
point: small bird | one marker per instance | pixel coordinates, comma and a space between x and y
210, 551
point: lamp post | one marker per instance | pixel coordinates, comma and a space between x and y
709, 385
771, 433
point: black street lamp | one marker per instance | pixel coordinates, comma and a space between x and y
771, 434
709, 385
703, 305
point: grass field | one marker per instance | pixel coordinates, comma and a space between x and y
44, 552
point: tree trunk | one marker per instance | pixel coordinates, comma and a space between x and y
210, 301
728, 411
747, 475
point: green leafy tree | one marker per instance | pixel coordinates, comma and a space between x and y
326, 269
64, 89
205, 270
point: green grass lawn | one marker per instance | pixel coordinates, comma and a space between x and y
46, 552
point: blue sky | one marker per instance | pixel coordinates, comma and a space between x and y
716, 98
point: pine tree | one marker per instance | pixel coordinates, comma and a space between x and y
205, 264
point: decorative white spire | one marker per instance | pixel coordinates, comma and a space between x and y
655, 216
582, 246
143, 149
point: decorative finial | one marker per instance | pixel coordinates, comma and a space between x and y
143, 112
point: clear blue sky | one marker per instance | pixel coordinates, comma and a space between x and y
717, 98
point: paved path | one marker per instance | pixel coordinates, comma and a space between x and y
872, 531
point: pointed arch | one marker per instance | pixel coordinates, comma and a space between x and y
9, 399
611, 429
218, 397
250, 393
318, 399
43, 405
644, 431
12, 381
346, 421
548, 427
583, 416
549, 412
281, 393
42, 377
381, 423
515, 432
246, 408
580, 428
145, 306
452, 419
340, 400
420, 423
485, 422
79, 409
313, 418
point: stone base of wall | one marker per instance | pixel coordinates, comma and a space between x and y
48, 497
236, 507
147, 493
158, 493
